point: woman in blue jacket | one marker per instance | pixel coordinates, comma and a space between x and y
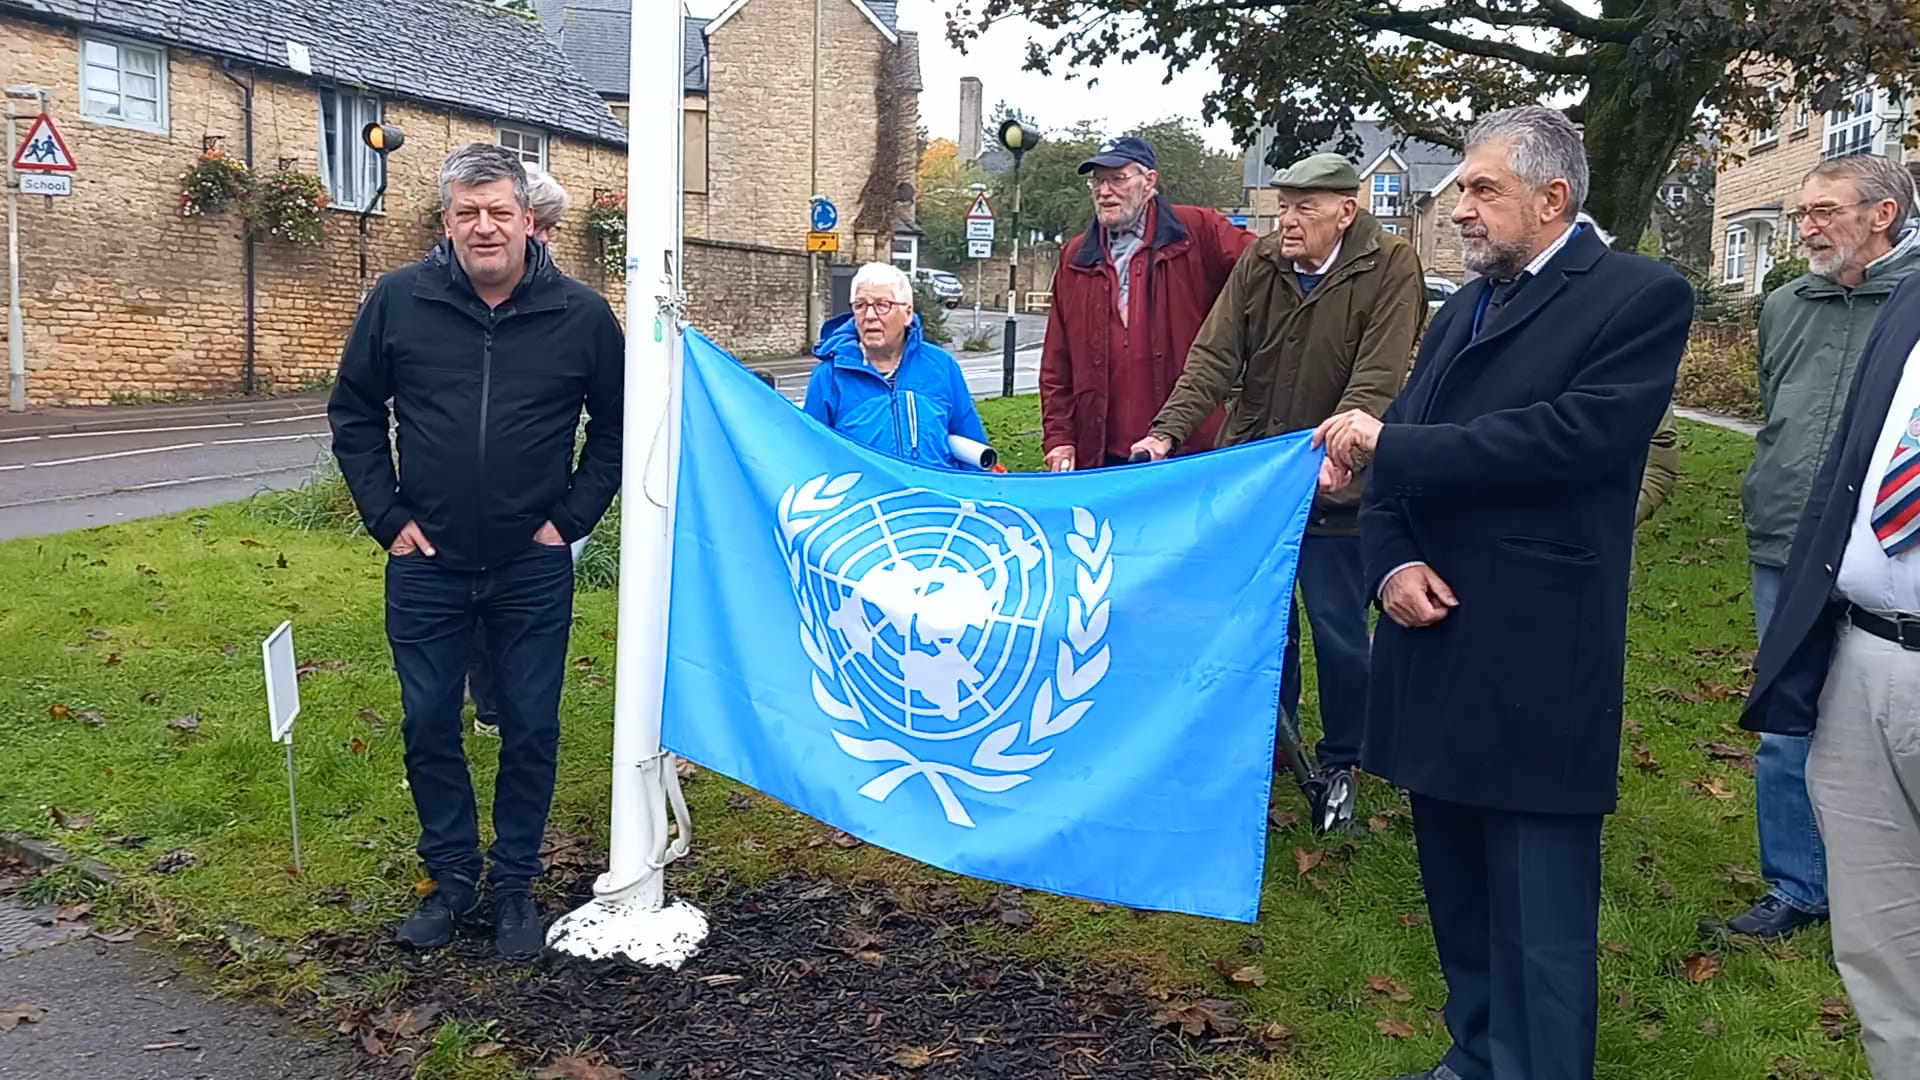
880, 383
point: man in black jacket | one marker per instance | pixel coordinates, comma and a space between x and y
1841, 662
487, 357
1497, 531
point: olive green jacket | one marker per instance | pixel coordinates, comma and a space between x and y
1283, 360
1663, 468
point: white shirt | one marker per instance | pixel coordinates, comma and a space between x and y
1302, 268
1538, 264
1867, 576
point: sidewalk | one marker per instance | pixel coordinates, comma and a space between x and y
52, 420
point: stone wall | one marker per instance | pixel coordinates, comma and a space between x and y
1435, 237
751, 300
125, 299
1763, 179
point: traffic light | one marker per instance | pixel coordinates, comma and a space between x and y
1018, 137
383, 139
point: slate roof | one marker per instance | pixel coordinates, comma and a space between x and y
459, 54
1427, 163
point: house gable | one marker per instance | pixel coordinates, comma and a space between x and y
879, 14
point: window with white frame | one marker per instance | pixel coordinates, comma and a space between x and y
1736, 255
1674, 195
906, 252
1851, 123
529, 143
350, 169
1386, 194
123, 83
1802, 116
1770, 134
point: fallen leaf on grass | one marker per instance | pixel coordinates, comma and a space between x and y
1199, 1018
1380, 984
1700, 967
1392, 1029
175, 861
98, 634
739, 800
1616, 948
16, 1015
189, 723
687, 770
1650, 1030
371, 1046
76, 822
1739, 874
408, 1022
1240, 974
486, 1050
1275, 1038
117, 937
1380, 823
373, 719
1712, 787
1644, 761
358, 746
1282, 819
72, 913
577, 1068
1671, 694
1836, 1019
1306, 860
1720, 751
583, 663
249, 542
59, 712
113, 659
1413, 918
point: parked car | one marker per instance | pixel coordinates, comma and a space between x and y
1439, 291
945, 286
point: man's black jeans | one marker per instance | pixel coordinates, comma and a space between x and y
526, 607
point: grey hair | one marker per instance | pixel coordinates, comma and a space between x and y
1542, 146
483, 163
886, 276
546, 198
1878, 179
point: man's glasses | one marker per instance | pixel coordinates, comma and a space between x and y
1115, 183
1821, 216
882, 308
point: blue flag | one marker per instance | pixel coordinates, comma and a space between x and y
1064, 682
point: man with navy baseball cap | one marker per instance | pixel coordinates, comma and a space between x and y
1128, 298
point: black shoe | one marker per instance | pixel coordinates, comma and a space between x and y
1769, 920
431, 924
517, 932
1438, 1072
1333, 796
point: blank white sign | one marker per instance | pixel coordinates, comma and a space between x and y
283, 684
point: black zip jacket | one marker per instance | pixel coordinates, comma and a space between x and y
486, 403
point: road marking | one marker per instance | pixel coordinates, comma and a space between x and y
142, 431
117, 454
290, 419
303, 470
20, 438
268, 438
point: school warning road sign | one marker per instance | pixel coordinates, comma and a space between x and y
43, 150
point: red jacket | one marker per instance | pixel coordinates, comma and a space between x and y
1193, 250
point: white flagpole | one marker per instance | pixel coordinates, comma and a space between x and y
629, 914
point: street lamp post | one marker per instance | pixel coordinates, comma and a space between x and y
16, 333
1018, 138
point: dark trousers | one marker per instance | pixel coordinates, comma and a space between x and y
526, 608
1329, 577
486, 703
1515, 904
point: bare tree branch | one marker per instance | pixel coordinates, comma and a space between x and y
1416, 26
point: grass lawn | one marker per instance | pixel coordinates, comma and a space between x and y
112, 635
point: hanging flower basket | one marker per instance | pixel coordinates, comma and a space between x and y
216, 182
289, 205
607, 224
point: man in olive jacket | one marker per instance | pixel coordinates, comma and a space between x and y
1854, 226
1318, 318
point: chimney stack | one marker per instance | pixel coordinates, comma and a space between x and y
972, 120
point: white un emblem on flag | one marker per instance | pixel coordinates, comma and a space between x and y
926, 619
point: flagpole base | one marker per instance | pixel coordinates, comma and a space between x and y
605, 927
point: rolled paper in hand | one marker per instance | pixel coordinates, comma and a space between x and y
977, 454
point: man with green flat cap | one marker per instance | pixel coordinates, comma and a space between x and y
1319, 317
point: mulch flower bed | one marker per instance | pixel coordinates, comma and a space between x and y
798, 979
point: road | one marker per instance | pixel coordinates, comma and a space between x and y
63, 469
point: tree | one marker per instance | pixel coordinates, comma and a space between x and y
945, 192
1191, 172
1686, 230
1641, 71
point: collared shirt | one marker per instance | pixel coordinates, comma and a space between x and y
1309, 278
1122, 243
1867, 576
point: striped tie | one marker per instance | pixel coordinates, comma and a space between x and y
1896, 509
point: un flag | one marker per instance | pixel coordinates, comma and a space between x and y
1065, 682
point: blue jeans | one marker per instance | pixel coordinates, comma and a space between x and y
526, 606
1330, 584
1792, 858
